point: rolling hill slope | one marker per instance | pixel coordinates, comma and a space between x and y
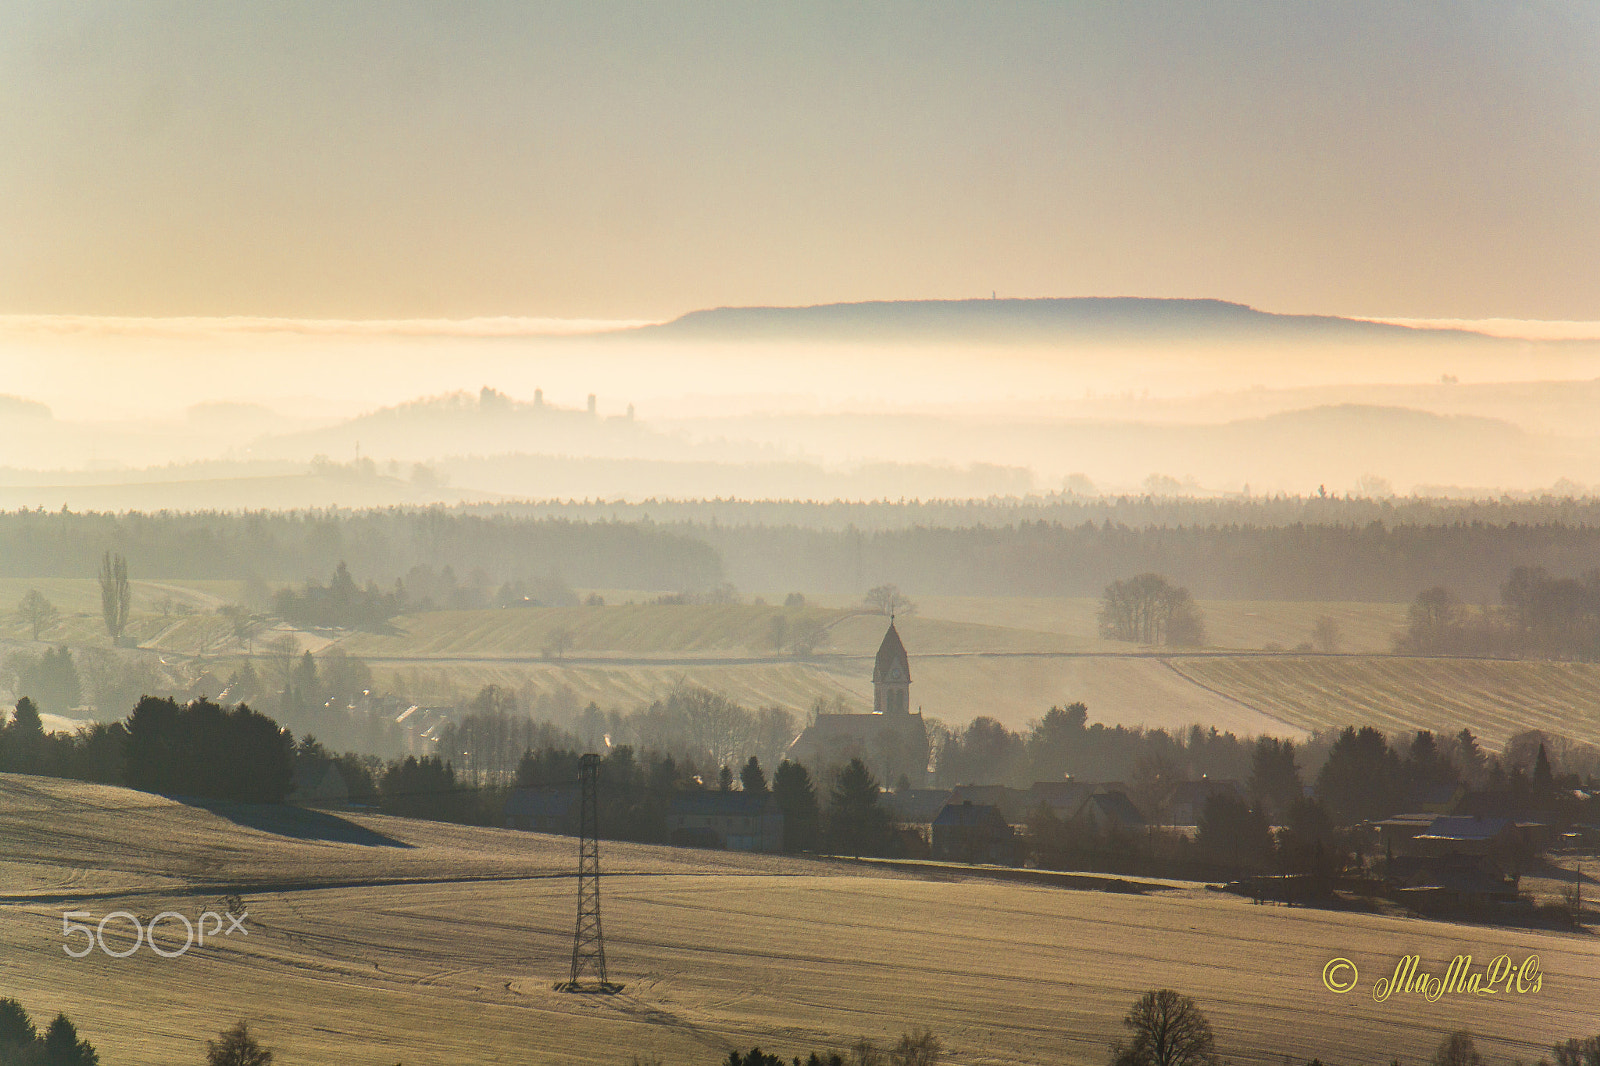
715, 951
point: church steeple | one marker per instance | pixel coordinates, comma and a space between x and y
891, 676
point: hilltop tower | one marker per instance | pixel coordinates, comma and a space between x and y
891, 676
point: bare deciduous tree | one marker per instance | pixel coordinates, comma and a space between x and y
38, 612
916, 1049
283, 652
245, 625
1326, 635
1430, 618
1456, 1050
1148, 609
559, 641
888, 599
1168, 1030
115, 595
236, 1047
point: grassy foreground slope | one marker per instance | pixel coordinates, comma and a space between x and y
716, 951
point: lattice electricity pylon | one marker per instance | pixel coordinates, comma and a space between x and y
588, 942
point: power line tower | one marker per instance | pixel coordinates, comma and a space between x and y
588, 943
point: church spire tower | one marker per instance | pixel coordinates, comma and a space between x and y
891, 676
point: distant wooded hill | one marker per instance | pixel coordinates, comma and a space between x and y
1033, 319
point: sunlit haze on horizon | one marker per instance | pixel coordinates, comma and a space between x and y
230, 232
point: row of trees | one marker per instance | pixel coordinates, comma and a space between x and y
1149, 609
1264, 549
1064, 743
344, 604
204, 750
116, 600
1162, 1027
1538, 616
95, 753
23, 1045
844, 817
60, 680
1359, 773
282, 546
1330, 561
693, 724
340, 604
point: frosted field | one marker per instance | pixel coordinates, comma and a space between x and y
1008, 658
716, 951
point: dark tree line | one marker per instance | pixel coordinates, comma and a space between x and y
1071, 509
23, 1045
51, 678
1376, 562
341, 603
382, 545
694, 725
207, 751
1285, 549
1064, 743
1539, 616
636, 791
95, 753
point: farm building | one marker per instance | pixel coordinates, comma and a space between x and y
737, 821
319, 784
1012, 803
1464, 880
974, 832
1438, 835
1112, 811
543, 810
1064, 798
914, 806
1189, 799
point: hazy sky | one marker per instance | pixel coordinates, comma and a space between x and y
587, 159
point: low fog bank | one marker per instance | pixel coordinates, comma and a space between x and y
485, 447
927, 400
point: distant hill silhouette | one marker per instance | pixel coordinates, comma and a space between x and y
465, 423
1121, 317
21, 407
1366, 418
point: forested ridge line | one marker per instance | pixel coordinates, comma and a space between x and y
380, 545
1331, 560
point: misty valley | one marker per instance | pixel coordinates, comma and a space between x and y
895, 534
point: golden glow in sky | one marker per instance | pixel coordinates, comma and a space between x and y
582, 160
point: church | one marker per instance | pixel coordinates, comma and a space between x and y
892, 740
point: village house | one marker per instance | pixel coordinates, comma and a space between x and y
974, 832
1188, 800
543, 810
735, 821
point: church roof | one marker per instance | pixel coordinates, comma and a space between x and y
890, 653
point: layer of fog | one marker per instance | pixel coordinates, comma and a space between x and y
196, 415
